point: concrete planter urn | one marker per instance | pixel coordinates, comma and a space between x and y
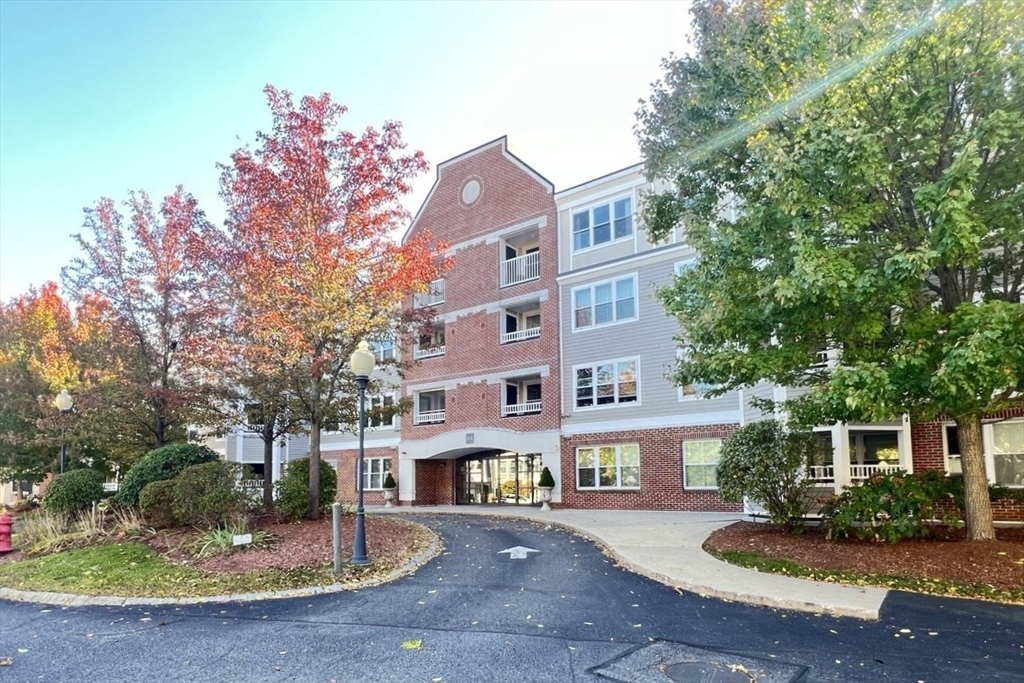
389, 491
546, 484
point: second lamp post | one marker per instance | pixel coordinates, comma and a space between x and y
361, 362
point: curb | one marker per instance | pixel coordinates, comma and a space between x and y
76, 600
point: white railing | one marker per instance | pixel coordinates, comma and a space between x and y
110, 486
428, 352
520, 335
432, 297
520, 269
824, 473
865, 471
520, 409
432, 417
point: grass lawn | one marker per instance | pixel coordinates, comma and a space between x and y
133, 570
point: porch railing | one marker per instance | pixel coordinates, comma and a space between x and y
520, 269
520, 335
520, 409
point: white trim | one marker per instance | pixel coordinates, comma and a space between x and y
594, 426
617, 404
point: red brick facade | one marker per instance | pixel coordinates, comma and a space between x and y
661, 471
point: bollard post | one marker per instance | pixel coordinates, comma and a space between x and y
336, 521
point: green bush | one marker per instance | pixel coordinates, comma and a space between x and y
73, 491
545, 478
293, 488
891, 506
159, 464
207, 495
156, 503
765, 463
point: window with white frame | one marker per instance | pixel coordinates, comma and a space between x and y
608, 467
607, 383
375, 471
604, 303
700, 463
380, 411
602, 223
384, 350
1007, 456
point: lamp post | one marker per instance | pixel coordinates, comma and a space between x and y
362, 362
64, 401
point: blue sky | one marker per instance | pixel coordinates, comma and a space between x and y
97, 99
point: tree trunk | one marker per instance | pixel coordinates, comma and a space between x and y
314, 470
977, 506
268, 462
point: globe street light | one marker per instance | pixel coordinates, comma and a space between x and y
361, 362
64, 402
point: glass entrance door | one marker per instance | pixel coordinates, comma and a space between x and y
504, 478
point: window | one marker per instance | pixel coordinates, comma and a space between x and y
607, 383
608, 467
603, 303
429, 407
380, 411
1008, 453
375, 470
602, 223
384, 350
700, 462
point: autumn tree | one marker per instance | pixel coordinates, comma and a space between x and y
313, 265
871, 156
151, 269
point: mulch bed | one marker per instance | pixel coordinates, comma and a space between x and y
998, 563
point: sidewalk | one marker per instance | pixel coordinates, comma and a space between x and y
666, 546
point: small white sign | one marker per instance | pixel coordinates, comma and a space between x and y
241, 539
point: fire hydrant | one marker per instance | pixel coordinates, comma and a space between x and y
6, 524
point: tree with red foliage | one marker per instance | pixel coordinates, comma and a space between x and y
153, 277
313, 265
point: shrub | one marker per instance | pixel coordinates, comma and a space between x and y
73, 492
207, 495
389, 482
156, 503
157, 465
890, 506
545, 478
765, 463
293, 488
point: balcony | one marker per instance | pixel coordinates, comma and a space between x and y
520, 335
515, 410
432, 417
520, 269
427, 352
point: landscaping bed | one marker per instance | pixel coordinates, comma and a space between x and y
162, 564
946, 565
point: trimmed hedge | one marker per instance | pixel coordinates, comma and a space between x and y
157, 465
73, 491
156, 502
207, 495
293, 488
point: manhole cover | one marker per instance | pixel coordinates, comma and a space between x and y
704, 672
663, 661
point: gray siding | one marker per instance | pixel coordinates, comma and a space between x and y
650, 337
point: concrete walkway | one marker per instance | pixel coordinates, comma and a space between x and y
666, 546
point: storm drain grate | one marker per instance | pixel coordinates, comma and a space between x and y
663, 661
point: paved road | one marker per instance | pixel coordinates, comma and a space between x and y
563, 614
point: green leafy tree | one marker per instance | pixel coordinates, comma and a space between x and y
871, 156
767, 464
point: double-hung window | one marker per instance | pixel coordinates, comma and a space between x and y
607, 383
604, 303
602, 223
608, 467
700, 463
375, 471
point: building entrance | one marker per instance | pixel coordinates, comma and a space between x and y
497, 478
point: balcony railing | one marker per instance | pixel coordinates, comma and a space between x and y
432, 417
520, 409
428, 352
520, 269
519, 335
